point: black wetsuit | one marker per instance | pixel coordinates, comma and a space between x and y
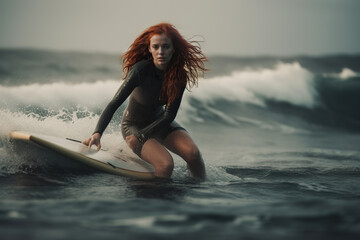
145, 116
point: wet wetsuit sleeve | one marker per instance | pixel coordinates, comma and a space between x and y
124, 91
165, 118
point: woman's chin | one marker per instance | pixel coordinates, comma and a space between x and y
161, 65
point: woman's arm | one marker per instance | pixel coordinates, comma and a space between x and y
166, 118
124, 91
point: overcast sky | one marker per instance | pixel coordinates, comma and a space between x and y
228, 27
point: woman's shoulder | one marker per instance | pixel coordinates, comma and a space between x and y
142, 65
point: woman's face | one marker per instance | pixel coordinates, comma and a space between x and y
161, 49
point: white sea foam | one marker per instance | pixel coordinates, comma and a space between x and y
59, 94
54, 125
347, 73
287, 82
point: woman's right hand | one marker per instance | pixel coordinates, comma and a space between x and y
93, 140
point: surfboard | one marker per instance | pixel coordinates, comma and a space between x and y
117, 161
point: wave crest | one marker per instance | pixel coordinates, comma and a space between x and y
287, 82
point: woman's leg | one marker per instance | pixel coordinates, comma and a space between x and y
180, 143
155, 153
152, 151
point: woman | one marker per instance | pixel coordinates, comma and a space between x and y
158, 66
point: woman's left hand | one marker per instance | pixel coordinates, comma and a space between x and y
132, 142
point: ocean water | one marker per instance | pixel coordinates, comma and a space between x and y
280, 139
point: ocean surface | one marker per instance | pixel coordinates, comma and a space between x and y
280, 137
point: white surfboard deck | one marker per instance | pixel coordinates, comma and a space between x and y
118, 161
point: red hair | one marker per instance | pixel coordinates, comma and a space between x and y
184, 67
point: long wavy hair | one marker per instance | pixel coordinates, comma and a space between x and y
184, 68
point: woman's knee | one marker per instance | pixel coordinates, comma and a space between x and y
192, 154
164, 167
154, 153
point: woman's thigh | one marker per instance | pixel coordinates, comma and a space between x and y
180, 143
156, 154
